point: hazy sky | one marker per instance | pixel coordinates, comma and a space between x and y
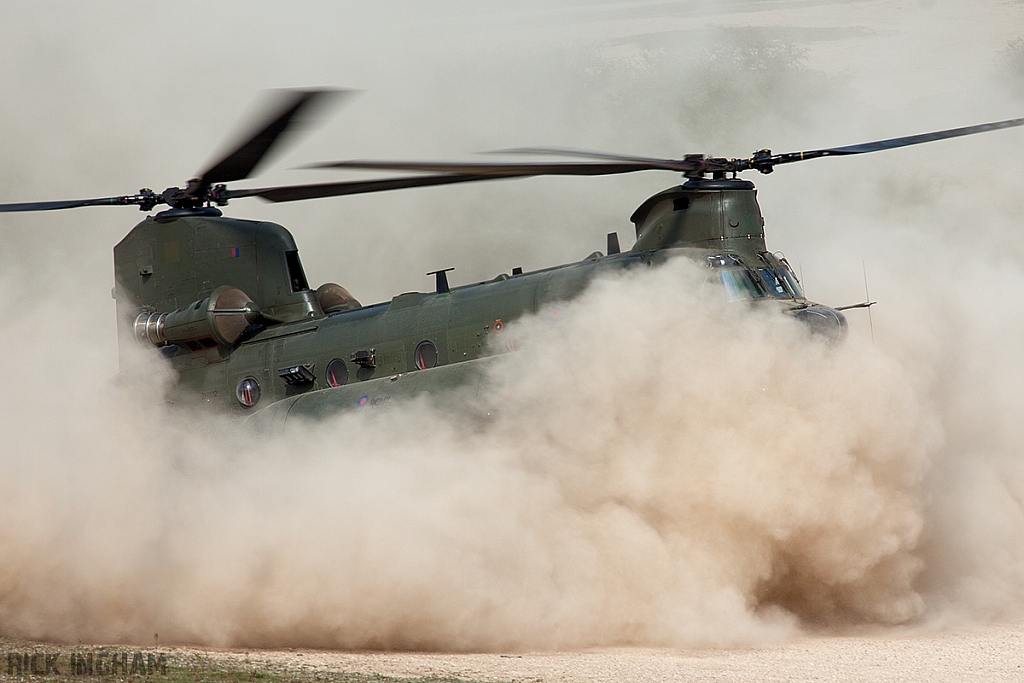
106, 98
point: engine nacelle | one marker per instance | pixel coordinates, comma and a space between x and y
218, 320
333, 298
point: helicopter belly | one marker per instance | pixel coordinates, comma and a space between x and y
455, 388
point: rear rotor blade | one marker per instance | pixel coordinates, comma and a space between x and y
289, 115
292, 193
127, 200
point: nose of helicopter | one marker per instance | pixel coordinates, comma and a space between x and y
823, 321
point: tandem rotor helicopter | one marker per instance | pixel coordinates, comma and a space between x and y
226, 301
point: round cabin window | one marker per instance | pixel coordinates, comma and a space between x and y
337, 373
248, 392
426, 355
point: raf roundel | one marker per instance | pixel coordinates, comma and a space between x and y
363, 400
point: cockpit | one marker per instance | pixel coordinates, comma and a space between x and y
773, 277
737, 282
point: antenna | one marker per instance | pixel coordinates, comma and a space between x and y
442, 280
868, 303
867, 297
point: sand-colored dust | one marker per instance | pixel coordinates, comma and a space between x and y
724, 479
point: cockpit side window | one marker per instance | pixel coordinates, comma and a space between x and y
778, 273
789, 278
773, 283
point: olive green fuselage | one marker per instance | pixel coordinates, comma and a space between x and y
464, 324
299, 359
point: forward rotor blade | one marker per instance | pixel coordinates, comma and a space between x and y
568, 152
70, 204
293, 193
515, 169
293, 113
892, 143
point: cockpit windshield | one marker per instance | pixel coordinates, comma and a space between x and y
739, 284
778, 277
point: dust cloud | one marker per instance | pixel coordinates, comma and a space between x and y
658, 470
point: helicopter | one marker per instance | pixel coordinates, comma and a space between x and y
226, 301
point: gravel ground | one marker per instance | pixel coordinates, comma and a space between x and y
991, 653
988, 653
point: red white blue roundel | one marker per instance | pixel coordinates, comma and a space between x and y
363, 400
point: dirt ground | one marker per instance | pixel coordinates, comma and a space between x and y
984, 653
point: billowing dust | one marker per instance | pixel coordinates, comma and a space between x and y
657, 469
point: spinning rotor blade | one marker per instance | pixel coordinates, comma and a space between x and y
294, 111
293, 193
876, 146
72, 204
510, 169
568, 152
291, 114
240, 164
763, 161
924, 137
